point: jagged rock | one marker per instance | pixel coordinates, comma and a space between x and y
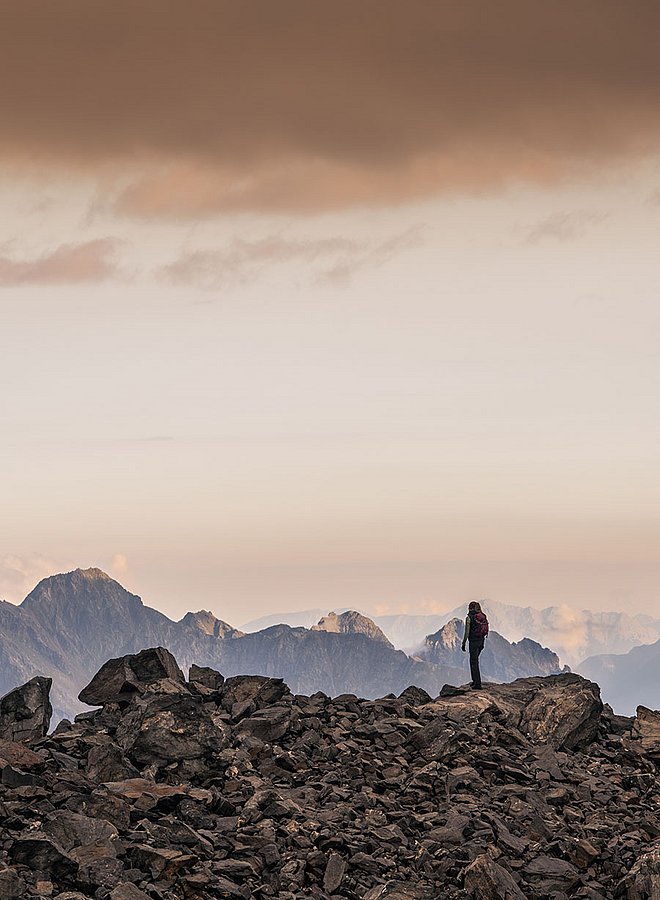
565, 712
42, 854
25, 712
646, 727
643, 881
71, 830
267, 724
334, 873
120, 679
486, 880
206, 676
415, 696
15, 754
251, 692
128, 891
166, 729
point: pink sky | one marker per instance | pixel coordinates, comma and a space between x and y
333, 303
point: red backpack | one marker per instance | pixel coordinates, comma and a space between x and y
479, 626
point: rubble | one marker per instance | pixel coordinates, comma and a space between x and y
237, 788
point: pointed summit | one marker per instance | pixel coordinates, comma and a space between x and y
351, 622
88, 587
206, 622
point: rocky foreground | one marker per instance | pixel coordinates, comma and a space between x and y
236, 788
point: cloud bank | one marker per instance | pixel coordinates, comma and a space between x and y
213, 106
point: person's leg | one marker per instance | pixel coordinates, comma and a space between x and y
475, 649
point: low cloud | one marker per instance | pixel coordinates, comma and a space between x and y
119, 564
334, 260
90, 261
564, 227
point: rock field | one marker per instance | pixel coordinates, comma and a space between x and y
236, 788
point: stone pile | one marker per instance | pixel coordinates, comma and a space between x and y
214, 788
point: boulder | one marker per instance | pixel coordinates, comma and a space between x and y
42, 854
207, 677
162, 729
14, 754
416, 696
247, 693
646, 727
486, 880
564, 712
25, 712
119, 680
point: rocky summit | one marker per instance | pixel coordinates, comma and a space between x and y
216, 787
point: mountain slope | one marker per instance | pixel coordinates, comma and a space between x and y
70, 623
629, 679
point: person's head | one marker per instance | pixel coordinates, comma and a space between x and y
474, 606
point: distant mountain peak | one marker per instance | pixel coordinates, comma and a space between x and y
449, 636
93, 573
208, 623
351, 622
81, 587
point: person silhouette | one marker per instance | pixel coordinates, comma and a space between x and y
476, 631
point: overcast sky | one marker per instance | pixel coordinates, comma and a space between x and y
332, 303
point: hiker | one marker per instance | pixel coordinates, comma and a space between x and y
476, 630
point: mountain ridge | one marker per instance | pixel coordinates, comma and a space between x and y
70, 623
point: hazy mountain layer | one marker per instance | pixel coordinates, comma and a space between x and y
572, 634
629, 679
304, 619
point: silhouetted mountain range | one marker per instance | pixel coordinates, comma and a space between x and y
71, 623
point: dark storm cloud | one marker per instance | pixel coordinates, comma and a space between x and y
299, 105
